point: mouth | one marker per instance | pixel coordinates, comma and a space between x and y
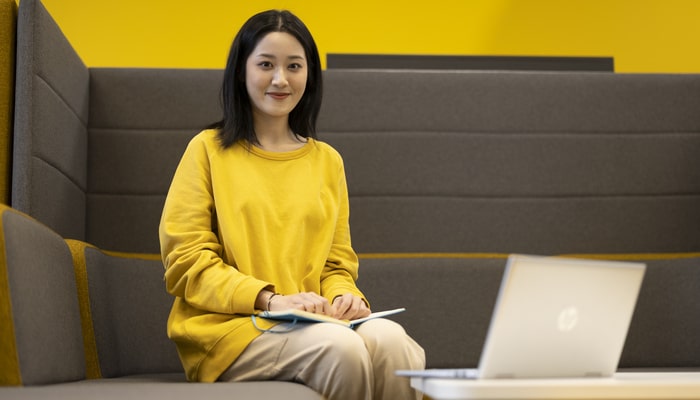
278, 95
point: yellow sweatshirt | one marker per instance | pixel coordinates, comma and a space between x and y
238, 220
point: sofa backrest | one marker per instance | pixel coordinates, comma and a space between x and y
437, 161
140, 122
528, 162
486, 162
514, 162
49, 171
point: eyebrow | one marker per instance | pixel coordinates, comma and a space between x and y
292, 57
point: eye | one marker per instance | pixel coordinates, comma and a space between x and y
295, 66
265, 64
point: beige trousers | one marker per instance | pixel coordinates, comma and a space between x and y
338, 362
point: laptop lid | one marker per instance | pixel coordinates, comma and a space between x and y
560, 317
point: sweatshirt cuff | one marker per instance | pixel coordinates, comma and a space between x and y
244, 300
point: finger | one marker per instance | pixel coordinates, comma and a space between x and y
341, 306
357, 309
351, 306
314, 303
354, 307
327, 309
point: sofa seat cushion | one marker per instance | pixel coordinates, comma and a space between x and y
161, 386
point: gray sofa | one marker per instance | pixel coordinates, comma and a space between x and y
448, 173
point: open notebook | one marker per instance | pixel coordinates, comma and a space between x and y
555, 317
305, 316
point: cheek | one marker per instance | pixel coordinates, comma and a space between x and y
301, 86
251, 84
254, 81
249, 88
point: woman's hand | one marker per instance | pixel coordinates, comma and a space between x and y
349, 306
307, 301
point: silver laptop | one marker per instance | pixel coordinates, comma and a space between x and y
555, 317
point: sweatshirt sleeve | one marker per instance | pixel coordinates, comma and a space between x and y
191, 251
342, 266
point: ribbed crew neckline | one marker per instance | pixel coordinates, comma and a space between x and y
283, 155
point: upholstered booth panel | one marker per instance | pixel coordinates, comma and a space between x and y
664, 332
50, 130
43, 314
516, 102
517, 162
135, 147
593, 162
63, 205
125, 222
489, 192
525, 225
555, 164
128, 197
453, 324
129, 308
143, 98
587, 159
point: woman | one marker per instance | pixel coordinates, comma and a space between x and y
257, 219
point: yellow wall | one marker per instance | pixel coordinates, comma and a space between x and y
642, 35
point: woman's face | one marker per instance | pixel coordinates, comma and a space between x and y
276, 74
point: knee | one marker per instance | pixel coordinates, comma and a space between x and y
382, 333
335, 363
387, 341
347, 349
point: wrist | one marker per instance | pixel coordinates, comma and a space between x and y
261, 302
269, 300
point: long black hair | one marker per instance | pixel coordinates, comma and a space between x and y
237, 123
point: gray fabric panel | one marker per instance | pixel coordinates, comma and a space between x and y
51, 57
60, 137
519, 164
58, 202
44, 302
663, 333
51, 111
126, 198
546, 156
665, 329
125, 222
130, 309
525, 225
469, 62
136, 162
133, 98
466, 286
119, 389
386, 100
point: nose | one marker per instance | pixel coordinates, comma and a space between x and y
279, 78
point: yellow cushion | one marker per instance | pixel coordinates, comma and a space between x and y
8, 32
9, 359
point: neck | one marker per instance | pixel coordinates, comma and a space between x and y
275, 135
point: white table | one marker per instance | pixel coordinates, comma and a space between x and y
624, 385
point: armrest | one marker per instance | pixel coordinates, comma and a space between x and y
39, 315
124, 308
